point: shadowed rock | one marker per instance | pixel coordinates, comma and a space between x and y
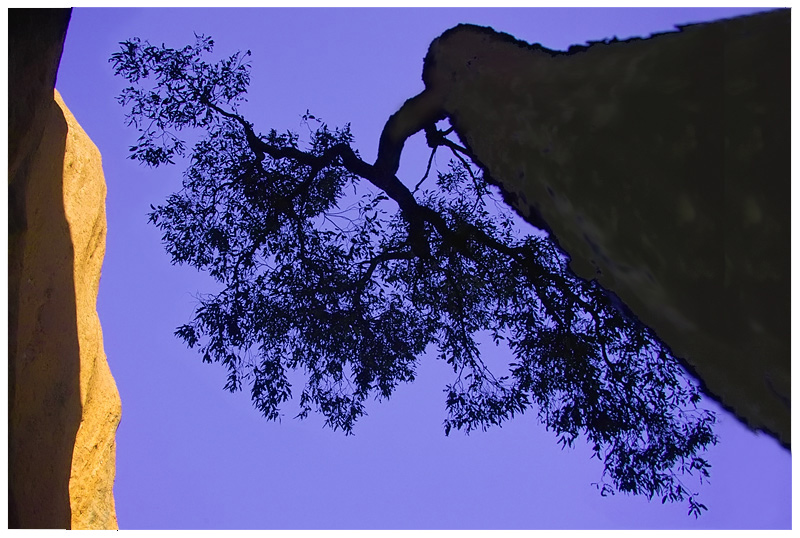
63, 404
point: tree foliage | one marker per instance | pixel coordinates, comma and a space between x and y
334, 268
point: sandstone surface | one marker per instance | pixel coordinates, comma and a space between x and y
93, 458
63, 404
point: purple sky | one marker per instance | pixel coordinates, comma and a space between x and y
190, 455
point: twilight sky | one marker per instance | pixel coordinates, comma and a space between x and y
192, 456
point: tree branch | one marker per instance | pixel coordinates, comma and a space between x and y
373, 264
415, 214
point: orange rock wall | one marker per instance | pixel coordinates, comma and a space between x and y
63, 404
93, 458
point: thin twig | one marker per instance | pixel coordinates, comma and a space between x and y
427, 170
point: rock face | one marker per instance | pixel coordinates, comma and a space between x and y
93, 458
662, 167
63, 404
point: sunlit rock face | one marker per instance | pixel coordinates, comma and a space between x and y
661, 166
94, 456
64, 407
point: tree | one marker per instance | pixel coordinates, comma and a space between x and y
334, 267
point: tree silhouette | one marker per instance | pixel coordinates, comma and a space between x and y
335, 268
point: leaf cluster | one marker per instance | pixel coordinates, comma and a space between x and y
183, 85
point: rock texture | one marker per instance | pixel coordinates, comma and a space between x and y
63, 404
93, 458
661, 166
